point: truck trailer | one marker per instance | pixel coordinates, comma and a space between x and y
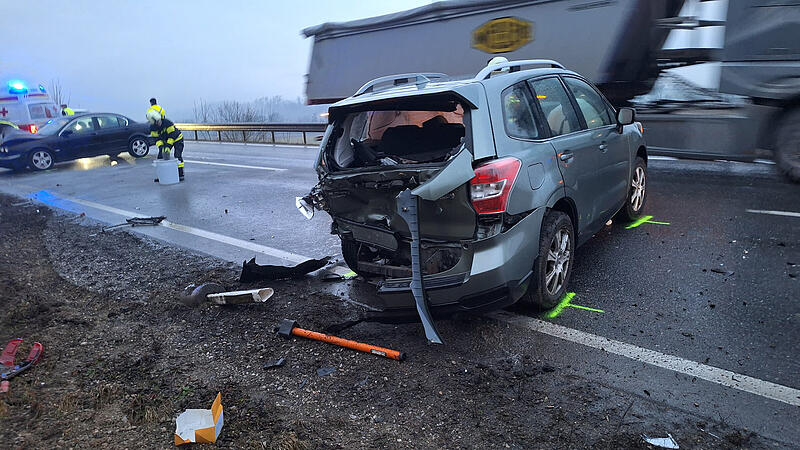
617, 44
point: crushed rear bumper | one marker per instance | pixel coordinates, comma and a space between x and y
492, 273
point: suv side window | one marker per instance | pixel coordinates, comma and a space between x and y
518, 112
593, 107
556, 106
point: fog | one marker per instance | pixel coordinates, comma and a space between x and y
114, 56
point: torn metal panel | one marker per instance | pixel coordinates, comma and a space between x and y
407, 204
457, 172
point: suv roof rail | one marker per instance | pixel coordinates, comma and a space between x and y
396, 80
515, 66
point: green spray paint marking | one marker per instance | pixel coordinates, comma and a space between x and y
349, 275
564, 303
560, 306
645, 219
586, 308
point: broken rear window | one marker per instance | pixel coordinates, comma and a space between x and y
390, 137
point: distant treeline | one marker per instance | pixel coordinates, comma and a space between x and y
264, 109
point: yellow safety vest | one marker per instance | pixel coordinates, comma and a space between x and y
159, 109
68, 111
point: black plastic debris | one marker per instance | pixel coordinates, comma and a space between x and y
137, 221
722, 271
252, 272
274, 364
325, 371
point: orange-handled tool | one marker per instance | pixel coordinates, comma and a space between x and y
289, 328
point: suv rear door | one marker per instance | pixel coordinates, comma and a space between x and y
576, 150
613, 157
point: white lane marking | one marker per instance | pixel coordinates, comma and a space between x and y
278, 253
242, 166
716, 375
774, 213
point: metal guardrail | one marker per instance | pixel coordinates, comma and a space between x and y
232, 129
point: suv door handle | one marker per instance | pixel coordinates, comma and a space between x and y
603, 147
566, 155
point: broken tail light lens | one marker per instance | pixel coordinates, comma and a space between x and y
492, 184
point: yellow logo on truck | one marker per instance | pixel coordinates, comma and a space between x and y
502, 35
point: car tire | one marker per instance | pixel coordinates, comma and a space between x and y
138, 147
350, 251
553, 266
41, 159
787, 146
637, 192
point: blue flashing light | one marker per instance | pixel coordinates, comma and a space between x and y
17, 87
42, 89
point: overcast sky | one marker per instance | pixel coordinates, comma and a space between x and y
114, 55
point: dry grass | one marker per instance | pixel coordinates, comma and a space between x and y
68, 403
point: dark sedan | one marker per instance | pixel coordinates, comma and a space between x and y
73, 137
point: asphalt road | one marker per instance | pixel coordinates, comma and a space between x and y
718, 285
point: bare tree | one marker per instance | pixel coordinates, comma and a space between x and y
237, 112
57, 93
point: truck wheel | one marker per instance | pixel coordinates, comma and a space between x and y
41, 159
787, 148
553, 266
138, 147
637, 192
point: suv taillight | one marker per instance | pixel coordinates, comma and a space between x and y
30, 128
492, 183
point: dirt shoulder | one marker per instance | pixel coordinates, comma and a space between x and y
123, 358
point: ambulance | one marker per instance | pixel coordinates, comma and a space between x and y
27, 106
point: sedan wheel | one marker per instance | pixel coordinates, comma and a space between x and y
41, 160
638, 187
138, 148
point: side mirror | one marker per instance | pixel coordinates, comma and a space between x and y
626, 116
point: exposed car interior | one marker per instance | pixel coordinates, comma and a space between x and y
396, 136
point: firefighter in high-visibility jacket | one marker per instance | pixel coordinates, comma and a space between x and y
154, 105
168, 137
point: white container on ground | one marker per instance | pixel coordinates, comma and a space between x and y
166, 171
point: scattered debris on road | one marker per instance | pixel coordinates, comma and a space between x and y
194, 295
200, 425
325, 371
722, 271
253, 272
215, 293
274, 364
137, 221
288, 328
665, 442
241, 297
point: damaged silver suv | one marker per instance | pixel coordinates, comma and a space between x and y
472, 194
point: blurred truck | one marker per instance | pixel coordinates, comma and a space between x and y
617, 44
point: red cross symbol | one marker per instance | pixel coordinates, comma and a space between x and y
4, 111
